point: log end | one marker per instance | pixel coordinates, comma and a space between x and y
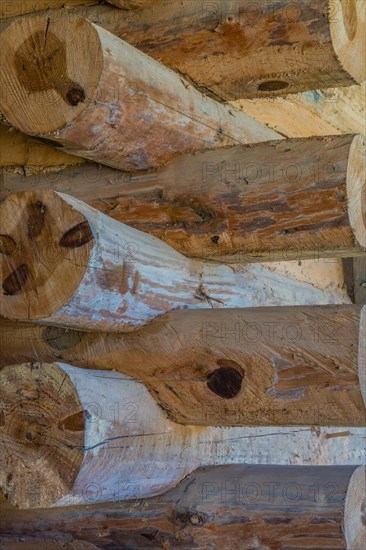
47, 76
42, 434
356, 189
355, 511
362, 354
347, 27
44, 251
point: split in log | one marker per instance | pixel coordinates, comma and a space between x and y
130, 4
282, 200
64, 263
118, 445
231, 507
263, 366
239, 49
72, 82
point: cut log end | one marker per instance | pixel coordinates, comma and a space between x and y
355, 511
347, 27
45, 248
356, 189
48, 78
41, 432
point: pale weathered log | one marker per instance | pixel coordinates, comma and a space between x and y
237, 49
119, 445
231, 507
105, 100
263, 366
276, 201
331, 111
65, 263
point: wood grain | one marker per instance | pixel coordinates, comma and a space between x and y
102, 99
272, 507
261, 366
130, 448
234, 50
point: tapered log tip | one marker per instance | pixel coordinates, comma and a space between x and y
44, 252
41, 434
356, 189
49, 71
355, 510
347, 27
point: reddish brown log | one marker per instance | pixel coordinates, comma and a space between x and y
237, 506
263, 366
235, 48
286, 200
72, 82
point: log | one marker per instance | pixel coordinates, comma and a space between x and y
119, 445
9, 9
288, 200
261, 366
331, 111
239, 49
235, 506
21, 154
65, 263
104, 100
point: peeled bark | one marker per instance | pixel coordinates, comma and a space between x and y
124, 446
239, 49
65, 263
72, 82
289, 200
231, 507
263, 366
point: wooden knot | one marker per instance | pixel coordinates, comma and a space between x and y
226, 381
75, 96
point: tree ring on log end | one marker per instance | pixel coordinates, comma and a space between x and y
347, 27
355, 510
356, 189
55, 76
53, 244
42, 445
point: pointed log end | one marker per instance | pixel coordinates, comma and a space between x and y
42, 434
355, 510
356, 189
47, 76
347, 27
362, 354
44, 251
